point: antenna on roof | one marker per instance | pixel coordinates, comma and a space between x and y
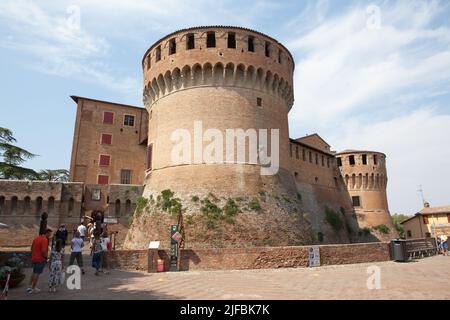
421, 196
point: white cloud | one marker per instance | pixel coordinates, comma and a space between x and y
371, 89
59, 44
416, 146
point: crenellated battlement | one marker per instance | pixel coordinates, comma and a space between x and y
217, 56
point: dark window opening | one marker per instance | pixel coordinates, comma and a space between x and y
339, 162
356, 201
125, 176
280, 56
158, 53
409, 233
211, 40
172, 47
267, 49
259, 102
128, 120
425, 220
190, 43
375, 160
231, 40
364, 159
328, 162
251, 44
351, 159
427, 235
310, 156
128, 208
117, 208
296, 152
149, 61
304, 154
317, 158
290, 150
316, 179
323, 161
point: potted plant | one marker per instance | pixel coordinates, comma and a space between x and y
14, 266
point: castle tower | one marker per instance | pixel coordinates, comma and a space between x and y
364, 173
203, 83
215, 78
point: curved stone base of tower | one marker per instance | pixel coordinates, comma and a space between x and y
262, 210
258, 223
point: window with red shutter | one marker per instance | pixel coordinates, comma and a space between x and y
448, 217
105, 160
108, 117
102, 179
149, 156
425, 219
106, 138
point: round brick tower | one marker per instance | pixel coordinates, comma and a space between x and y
364, 173
204, 82
216, 78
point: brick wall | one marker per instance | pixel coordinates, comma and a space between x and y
255, 258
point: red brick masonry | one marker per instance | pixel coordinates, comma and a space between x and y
252, 258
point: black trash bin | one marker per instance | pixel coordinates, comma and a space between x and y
398, 250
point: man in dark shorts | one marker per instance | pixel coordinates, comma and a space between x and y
39, 253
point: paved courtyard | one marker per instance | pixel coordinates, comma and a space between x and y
427, 278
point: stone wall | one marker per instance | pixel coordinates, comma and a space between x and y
255, 258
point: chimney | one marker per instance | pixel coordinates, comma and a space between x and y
426, 204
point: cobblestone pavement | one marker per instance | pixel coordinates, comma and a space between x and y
427, 278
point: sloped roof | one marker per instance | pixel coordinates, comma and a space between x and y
302, 139
430, 210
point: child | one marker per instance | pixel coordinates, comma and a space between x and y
56, 274
97, 253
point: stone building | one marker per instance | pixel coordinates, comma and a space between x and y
428, 222
218, 78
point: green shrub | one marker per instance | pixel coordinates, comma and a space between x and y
366, 231
195, 199
286, 198
254, 204
230, 208
141, 205
333, 219
382, 228
170, 204
210, 209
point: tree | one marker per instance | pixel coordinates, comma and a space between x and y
12, 158
61, 175
396, 219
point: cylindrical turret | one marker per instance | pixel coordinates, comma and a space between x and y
364, 173
217, 78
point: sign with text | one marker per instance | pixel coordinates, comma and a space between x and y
173, 246
314, 256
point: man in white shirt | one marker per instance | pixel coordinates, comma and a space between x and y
82, 230
76, 254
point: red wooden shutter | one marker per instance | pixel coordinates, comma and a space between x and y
425, 219
102, 179
149, 156
106, 138
448, 217
108, 117
104, 160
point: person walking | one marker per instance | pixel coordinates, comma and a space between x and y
62, 234
76, 251
56, 277
444, 243
82, 230
39, 253
97, 253
106, 248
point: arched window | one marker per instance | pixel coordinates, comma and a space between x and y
2, 204
14, 205
128, 207
117, 208
38, 205
51, 204
70, 207
26, 205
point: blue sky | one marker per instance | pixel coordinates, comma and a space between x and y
369, 74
